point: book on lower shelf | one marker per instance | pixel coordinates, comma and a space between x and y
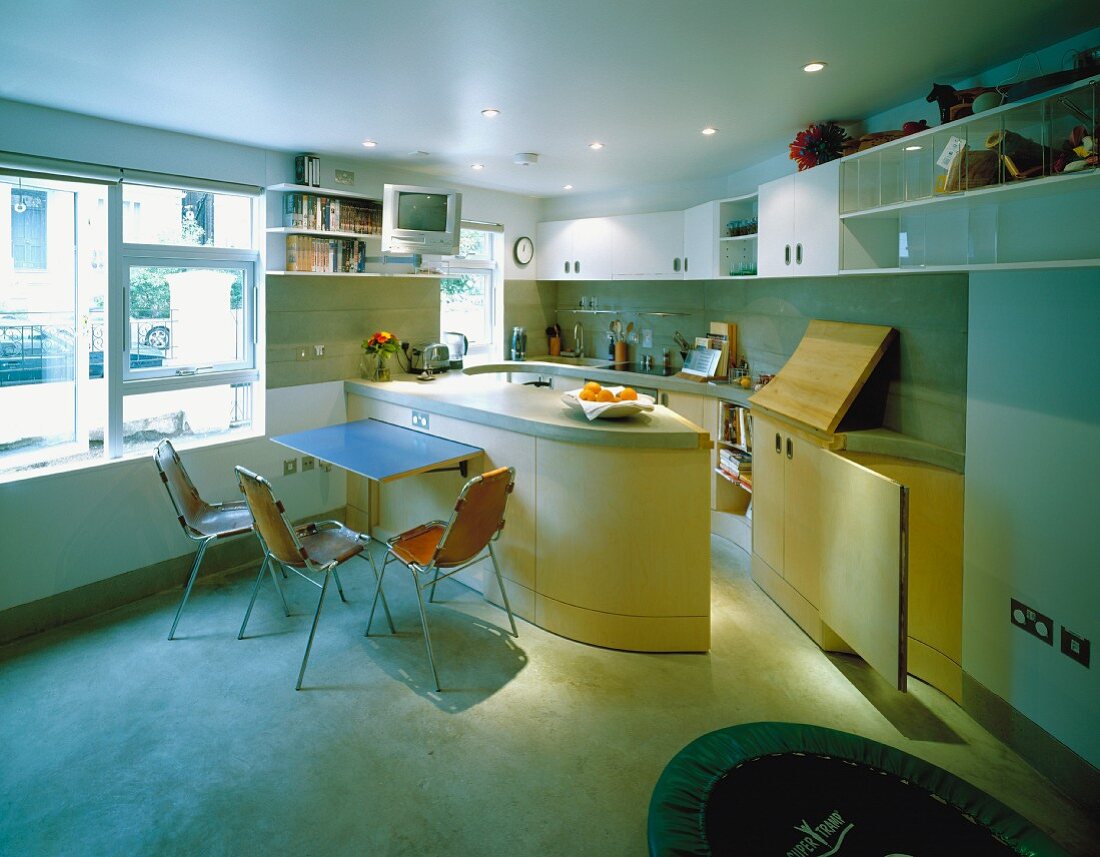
325, 255
736, 465
737, 426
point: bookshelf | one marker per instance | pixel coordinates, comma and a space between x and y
731, 514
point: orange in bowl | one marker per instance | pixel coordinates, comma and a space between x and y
606, 396
629, 394
586, 395
593, 386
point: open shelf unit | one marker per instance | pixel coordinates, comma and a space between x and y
731, 514
910, 205
737, 252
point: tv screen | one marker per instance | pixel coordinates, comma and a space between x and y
425, 212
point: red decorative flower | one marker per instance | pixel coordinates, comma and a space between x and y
818, 144
382, 342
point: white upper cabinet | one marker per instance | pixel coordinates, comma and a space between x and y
648, 246
701, 242
800, 224
574, 250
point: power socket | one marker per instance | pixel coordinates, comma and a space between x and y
1032, 621
290, 466
1075, 646
325, 466
308, 462
420, 420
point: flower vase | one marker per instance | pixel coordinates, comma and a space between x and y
381, 367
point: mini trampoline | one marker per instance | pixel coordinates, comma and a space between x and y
793, 790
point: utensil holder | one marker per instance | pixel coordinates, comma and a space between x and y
555, 346
621, 352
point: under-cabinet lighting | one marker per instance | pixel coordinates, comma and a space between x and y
816, 65
912, 148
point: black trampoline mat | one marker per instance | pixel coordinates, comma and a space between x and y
801, 805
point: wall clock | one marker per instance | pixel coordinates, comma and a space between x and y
523, 250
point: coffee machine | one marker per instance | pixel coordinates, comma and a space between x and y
519, 343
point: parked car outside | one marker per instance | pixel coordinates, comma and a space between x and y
42, 353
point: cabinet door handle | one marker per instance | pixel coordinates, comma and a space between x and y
577, 267
790, 448
567, 267
685, 264
676, 265
798, 253
778, 444
787, 254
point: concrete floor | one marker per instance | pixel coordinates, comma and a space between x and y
116, 741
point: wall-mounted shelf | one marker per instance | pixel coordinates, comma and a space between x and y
376, 275
624, 311
322, 191
751, 237
322, 233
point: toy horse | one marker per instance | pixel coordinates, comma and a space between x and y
955, 103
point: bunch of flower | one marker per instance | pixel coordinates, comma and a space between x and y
818, 144
382, 342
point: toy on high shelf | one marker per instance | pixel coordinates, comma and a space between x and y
955, 103
1079, 152
818, 144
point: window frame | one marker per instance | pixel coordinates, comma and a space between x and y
461, 265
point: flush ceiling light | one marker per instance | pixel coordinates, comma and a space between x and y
816, 65
370, 144
477, 166
595, 146
567, 187
912, 148
709, 131
490, 112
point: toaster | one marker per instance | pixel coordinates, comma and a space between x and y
432, 357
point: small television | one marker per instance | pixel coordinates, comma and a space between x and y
421, 219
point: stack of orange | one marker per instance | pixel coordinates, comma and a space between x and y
593, 392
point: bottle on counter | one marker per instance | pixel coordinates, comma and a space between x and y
666, 357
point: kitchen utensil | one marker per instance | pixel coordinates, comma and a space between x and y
629, 329
457, 346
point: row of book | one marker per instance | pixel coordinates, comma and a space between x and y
325, 255
736, 465
737, 426
306, 211
307, 170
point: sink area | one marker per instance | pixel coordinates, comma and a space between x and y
569, 361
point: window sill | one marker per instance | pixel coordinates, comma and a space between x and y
127, 460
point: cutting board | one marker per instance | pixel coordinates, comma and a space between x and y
825, 374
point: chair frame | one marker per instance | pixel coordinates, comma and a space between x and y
204, 539
327, 569
439, 573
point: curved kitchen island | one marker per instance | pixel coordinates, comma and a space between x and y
607, 535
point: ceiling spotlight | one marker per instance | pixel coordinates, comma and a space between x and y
708, 131
595, 146
370, 144
477, 166
816, 65
912, 148
567, 187
490, 112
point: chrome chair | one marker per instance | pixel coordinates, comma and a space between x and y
317, 548
440, 549
201, 521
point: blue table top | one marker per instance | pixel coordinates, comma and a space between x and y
378, 450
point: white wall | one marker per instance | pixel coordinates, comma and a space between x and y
1033, 493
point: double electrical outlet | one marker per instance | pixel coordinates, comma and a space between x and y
1042, 626
290, 465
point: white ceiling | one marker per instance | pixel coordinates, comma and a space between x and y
642, 76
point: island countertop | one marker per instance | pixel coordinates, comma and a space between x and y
490, 400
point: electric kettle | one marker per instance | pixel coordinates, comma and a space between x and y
457, 346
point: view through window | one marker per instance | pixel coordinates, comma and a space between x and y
468, 293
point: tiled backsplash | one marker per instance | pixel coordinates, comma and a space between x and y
928, 398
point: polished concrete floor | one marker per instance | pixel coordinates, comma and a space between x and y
115, 741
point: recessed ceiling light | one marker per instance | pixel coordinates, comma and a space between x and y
490, 112
370, 144
477, 166
567, 187
708, 131
816, 65
596, 146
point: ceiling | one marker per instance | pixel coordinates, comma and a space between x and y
641, 76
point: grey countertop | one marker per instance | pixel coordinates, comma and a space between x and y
489, 400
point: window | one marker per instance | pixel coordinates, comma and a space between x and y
101, 363
28, 229
468, 294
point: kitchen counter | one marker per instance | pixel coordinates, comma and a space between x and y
607, 539
484, 397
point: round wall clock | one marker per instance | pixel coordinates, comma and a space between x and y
523, 250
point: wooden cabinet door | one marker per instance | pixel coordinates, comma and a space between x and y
591, 249
648, 246
554, 250
775, 233
768, 475
817, 221
687, 405
864, 563
805, 493
701, 242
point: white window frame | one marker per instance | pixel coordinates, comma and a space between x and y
462, 265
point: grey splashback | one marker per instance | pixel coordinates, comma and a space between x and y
927, 400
